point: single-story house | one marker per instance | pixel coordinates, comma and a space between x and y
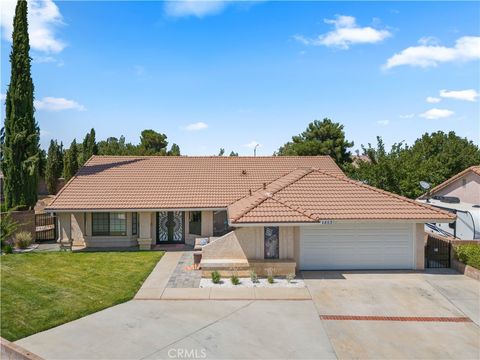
282, 212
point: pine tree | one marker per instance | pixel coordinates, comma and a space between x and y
70, 161
174, 150
89, 146
54, 167
20, 136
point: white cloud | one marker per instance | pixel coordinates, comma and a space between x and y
252, 144
193, 8
406, 116
425, 55
57, 104
433, 100
47, 60
466, 95
346, 33
196, 126
434, 114
43, 19
383, 122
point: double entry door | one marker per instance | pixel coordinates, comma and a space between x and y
170, 227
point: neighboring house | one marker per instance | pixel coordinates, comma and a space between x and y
282, 212
460, 195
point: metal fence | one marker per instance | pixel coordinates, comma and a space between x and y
45, 227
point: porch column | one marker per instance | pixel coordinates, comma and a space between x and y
145, 233
64, 227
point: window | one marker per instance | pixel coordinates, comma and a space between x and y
271, 242
195, 223
134, 223
109, 224
220, 223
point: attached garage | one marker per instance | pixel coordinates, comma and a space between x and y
357, 246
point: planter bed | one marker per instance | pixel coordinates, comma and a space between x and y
247, 282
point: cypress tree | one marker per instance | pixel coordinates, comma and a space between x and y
89, 146
70, 161
20, 136
54, 167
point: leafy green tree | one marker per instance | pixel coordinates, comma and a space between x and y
70, 161
221, 152
174, 150
320, 138
54, 167
233, 153
42, 163
153, 143
20, 135
89, 147
433, 158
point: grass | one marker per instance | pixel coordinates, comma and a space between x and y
469, 254
43, 290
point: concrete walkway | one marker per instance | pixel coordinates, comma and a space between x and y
154, 285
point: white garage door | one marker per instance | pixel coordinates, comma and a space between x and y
356, 247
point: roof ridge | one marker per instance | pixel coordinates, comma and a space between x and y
399, 197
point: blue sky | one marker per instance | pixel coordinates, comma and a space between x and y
219, 74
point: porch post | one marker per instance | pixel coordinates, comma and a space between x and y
145, 233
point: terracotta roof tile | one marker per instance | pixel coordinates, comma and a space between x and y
168, 182
312, 195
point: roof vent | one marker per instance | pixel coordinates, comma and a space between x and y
264, 186
250, 192
244, 172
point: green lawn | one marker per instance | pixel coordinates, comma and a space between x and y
43, 290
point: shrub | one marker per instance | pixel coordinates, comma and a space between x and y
7, 227
290, 277
22, 239
216, 277
270, 272
253, 276
7, 249
270, 279
469, 254
235, 280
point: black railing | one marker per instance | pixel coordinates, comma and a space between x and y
437, 252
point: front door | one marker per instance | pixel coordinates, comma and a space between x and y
170, 227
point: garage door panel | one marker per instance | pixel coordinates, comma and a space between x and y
365, 247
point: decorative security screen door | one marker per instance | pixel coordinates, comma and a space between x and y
271, 242
170, 228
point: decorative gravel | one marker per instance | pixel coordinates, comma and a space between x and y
246, 282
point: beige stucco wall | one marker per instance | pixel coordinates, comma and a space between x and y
469, 193
419, 246
247, 243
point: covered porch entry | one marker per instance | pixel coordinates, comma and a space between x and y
170, 227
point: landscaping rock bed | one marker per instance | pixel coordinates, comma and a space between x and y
247, 282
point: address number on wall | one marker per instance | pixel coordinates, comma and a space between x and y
326, 222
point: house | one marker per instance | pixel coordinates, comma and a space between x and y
460, 195
282, 212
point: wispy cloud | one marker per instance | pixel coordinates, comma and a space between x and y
466, 48
38, 59
434, 114
252, 144
345, 34
465, 95
58, 104
196, 126
433, 100
44, 17
193, 8
406, 116
383, 122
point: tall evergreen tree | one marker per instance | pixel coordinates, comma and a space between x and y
20, 136
70, 161
174, 150
89, 147
54, 167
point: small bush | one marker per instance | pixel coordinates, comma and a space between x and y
290, 277
270, 279
469, 254
235, 280
22, 239
216, 277
253, 276
7, 249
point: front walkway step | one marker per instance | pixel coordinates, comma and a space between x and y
240, 293
156, 282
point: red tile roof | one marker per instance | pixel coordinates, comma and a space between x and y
168, 182
312, 195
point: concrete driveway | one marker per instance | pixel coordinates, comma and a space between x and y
265, 329
431, 298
